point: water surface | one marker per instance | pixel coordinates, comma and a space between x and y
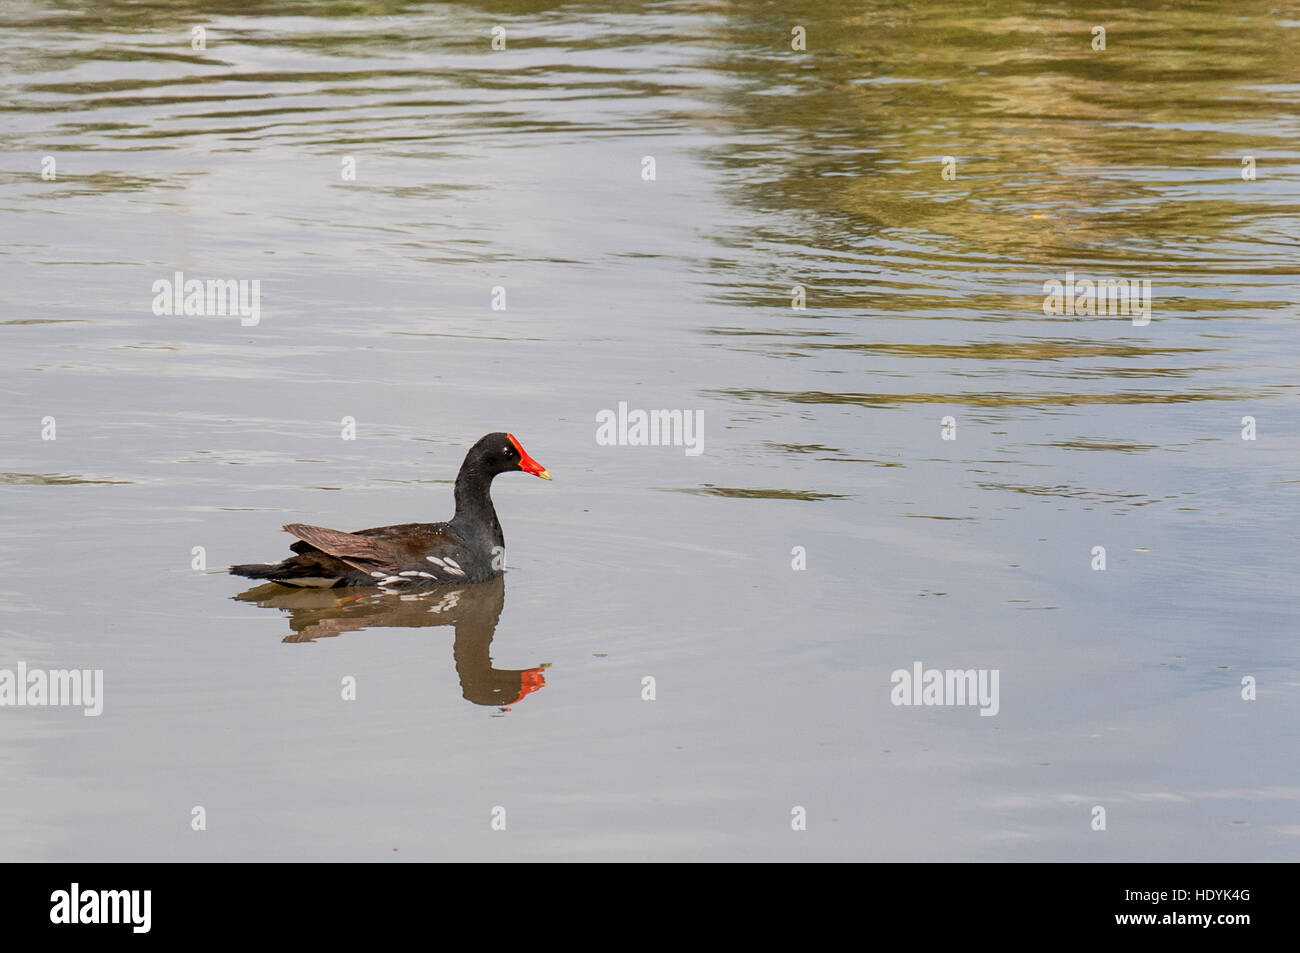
522, 169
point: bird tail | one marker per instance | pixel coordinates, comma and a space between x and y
257, 570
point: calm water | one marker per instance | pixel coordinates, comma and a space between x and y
523, 169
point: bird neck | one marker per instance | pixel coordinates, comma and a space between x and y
475, 514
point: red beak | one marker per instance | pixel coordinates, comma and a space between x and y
527, 463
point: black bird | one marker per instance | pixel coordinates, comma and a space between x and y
468, 548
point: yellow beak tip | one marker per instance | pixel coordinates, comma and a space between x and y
544, 474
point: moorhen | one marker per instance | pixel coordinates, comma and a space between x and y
469, 548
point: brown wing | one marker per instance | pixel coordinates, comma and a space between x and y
383, 549
361, 552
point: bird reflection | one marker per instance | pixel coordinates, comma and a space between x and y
473, 609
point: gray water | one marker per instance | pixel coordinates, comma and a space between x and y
823, 428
